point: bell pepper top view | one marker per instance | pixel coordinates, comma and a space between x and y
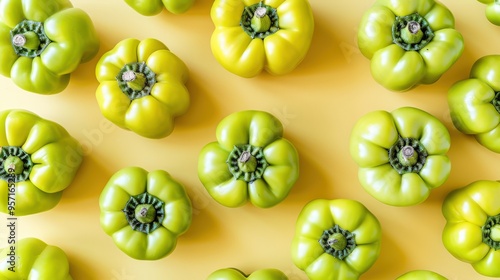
409, 42
250, 161
402, 155
142, 87
144, 212
38, 161
254, 36
336, 239
43, 42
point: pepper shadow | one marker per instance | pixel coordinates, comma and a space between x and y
390, 254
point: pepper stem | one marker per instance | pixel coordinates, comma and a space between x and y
145, 213
491, 232
28, 40
412, 34
247, 162
407, 156
337, 242
260, 21
136, 81
13, 165
495, 233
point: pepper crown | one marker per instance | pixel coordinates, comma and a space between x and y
411, 32
144, 212
260, 20
28, 38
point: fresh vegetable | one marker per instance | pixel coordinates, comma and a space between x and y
142, 87
154, 7
472, 230
144, 213
492, 11
31, 258
409, 42
235, 274
475, 102
401, 154
251, 161
336, 239
252, 36
43, 42
421, 275
38, 160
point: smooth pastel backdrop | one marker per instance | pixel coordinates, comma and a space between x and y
318, 104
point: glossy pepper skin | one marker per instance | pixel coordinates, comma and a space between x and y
474, 103
252, 36
409, 42
472, 230
421, 275
34, 259
43, 42
492, 11
38, 160
144, 212
401, 154
336, 239
154, 7
250, 161
142, 87
235, 274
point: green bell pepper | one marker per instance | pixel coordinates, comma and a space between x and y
401, 154
38, 160
43, 42
144, 213
492, 11
421, 275
257, 35
336, 239
250, 161
409, 42
31, 258
235, 274
472, 230
154, 7
474, 103
142, 87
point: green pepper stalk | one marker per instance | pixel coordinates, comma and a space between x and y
491, 232
411, 32
260, 20
136, 80
144, 212
29, 38
16, 164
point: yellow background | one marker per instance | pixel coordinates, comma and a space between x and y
318, 104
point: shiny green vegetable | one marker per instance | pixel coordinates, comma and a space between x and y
38, 160
421, 275
43, 42
475, 102
251, 161
142, 87
401, 155
255, 36
154, 7
472, 230
492, 11
144, 212
336, 239
409, 42
31, 258
235, 274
